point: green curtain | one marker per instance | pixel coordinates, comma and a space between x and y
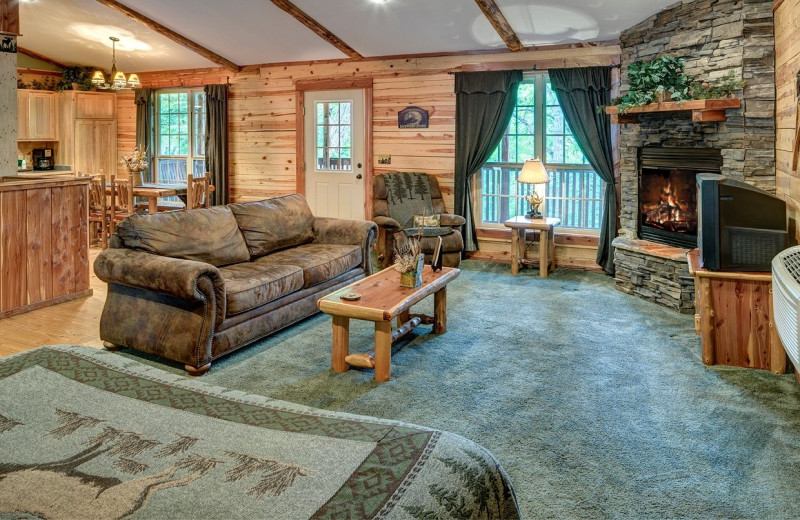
581, 93
217, 141
144, 100
485, 102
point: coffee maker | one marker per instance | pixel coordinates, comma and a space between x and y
43, 159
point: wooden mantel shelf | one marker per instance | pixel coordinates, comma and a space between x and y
703, 110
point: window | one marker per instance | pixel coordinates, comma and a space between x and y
334, 127
180, 134
538, 129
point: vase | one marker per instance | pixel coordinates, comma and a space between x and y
413, 278
135, 177
663, 96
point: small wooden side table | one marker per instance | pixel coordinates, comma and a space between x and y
519, 225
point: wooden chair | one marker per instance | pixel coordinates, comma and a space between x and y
197, 191
98, 212
121, 201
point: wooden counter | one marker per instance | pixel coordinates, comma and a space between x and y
44, 242
733, 315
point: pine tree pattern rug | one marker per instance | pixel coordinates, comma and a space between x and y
93, 435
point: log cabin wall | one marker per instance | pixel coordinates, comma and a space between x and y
787, 66
263, 120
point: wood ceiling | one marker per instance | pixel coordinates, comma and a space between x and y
186, 34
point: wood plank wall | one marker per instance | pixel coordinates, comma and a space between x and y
263, 118
787, 64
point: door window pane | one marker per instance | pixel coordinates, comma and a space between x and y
333, 123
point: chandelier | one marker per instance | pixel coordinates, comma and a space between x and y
116, 81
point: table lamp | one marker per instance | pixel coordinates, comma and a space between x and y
533, 172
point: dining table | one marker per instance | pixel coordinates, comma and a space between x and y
153, 191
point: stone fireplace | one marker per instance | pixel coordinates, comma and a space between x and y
661, 154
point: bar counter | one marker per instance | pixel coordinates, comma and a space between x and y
44, 242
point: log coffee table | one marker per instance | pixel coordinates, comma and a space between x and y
382, 300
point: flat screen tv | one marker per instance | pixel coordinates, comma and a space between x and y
740, 227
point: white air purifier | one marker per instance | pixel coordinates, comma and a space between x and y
786, 300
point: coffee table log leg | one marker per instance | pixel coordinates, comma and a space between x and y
403, 317
341, 343
440, 311
383, 351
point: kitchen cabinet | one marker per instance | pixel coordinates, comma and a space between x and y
89, 131
36, 120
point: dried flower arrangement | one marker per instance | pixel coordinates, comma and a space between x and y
407, 256
137, 161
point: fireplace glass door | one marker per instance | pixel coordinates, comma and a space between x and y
668, 192
668, 206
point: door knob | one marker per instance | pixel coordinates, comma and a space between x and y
358, 176
358, 166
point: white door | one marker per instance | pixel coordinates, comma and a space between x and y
334, 153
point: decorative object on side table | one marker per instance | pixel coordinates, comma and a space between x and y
534, 172
136, 163
409, 261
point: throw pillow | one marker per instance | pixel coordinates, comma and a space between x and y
427, 220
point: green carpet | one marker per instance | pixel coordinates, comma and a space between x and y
596, 403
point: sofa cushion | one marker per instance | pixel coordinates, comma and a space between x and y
272, 224
248, 285
319, 262
208, 235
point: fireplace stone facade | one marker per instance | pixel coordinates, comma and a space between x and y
714, 37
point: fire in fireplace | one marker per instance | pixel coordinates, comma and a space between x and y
668, 193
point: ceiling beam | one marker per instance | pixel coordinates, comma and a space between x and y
42, 57
315, 26
9, 16
172, 35
500, 24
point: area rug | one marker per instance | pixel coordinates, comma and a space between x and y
596, 403
88, 434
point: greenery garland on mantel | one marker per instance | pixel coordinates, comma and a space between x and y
664, 79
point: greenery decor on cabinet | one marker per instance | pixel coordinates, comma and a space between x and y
76, 78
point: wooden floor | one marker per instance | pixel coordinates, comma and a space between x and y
75, 322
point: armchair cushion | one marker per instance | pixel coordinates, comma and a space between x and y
273, 224
208, 235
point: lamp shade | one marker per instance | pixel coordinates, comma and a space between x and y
133, 81
533, 172
98, 78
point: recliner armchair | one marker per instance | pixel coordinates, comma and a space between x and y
452, 243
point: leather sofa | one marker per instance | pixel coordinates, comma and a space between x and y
192, 286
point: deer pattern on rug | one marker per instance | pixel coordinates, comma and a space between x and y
86, 495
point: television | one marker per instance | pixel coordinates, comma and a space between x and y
739, 227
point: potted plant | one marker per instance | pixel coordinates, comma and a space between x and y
657, 80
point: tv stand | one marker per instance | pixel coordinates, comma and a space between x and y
733, 315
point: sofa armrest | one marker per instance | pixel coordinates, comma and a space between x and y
348, 232
386, 222
449, 220
171, 276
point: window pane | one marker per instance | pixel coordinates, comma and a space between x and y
333, 135
574, 195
